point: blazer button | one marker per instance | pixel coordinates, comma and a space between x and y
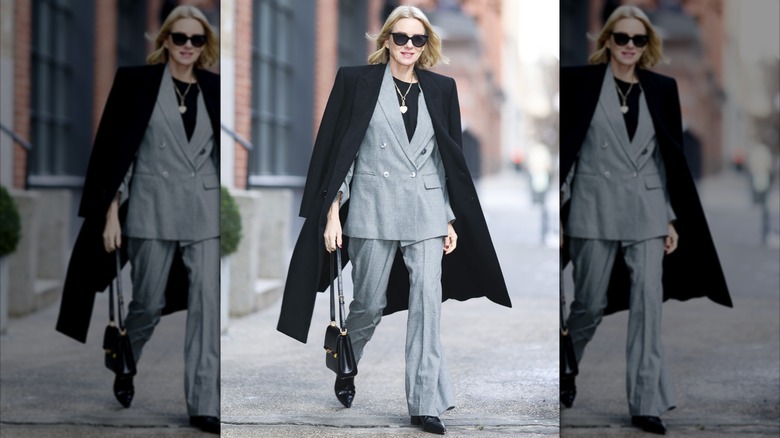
192, 174
607, 174
386, 174
644, 151
414, 174
604, 145
423, 151
324, 193
162, 145
634, 174
202, 151
165, 174
383, 145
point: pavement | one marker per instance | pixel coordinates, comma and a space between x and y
725, 363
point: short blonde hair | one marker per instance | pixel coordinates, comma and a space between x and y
653, 53
430, 56
210, 54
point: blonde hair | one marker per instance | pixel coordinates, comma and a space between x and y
210, 54
430, 56
653, 53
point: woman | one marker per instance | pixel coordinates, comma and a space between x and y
153, 176
627, 197
388, 165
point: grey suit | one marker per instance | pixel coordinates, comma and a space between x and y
619, 205
174, 204
399, 201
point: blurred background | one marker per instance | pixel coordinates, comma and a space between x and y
725, 56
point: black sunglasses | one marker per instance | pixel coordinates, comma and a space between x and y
621, 39
400, 39
180, 39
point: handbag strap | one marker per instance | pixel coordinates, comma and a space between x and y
120, 298
332, 291
341, 295
111, 303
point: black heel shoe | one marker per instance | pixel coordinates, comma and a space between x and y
124, 389
568, 391
345, 391
429, 424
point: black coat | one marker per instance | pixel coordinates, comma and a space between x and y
693, 270
471, 271
121, 130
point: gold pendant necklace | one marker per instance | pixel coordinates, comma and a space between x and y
624, 97
403, 96
182, 106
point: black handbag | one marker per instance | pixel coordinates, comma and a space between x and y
568, 360
339, 356
116, 344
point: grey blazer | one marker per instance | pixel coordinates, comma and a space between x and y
397, 187
174, 184
618, 190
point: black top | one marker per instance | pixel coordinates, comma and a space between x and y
410, 117
632, 99
191, 102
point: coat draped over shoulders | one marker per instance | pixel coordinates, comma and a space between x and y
471, 271
694, 269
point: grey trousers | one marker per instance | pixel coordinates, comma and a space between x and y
151, 261
648, 383
428, 386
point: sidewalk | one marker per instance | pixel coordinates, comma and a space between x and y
503, 361
54, 386
725, 363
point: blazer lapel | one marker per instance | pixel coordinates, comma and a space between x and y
199, 149
643, 146
610, 106
168, 104
388, 102
364, 103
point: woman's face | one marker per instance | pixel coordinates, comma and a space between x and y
406, 54
628, 54
186, 54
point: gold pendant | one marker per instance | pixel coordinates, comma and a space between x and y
182, 109
623, 109
403, 109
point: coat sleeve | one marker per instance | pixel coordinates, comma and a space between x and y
316, 174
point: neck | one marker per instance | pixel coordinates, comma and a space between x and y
402, 72
626, 73
182, 72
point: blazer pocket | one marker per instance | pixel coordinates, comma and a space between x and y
210, 181
653, 181
432, 181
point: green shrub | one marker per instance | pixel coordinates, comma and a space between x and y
10, 224
230, 223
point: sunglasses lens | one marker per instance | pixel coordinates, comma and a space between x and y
400, 39
621, 39
179, 39
419, 40
641, 40
198, 40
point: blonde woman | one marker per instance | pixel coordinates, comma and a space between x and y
627, 197
388, 167
152, 192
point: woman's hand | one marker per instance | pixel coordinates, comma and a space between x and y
332, 233
670, 243
451, 241
112, 233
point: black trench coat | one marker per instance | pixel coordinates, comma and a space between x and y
693, 270
471, 271
121, 130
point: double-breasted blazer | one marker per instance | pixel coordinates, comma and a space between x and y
621, 183
121, 130
397, 186
693, 270
470, 271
